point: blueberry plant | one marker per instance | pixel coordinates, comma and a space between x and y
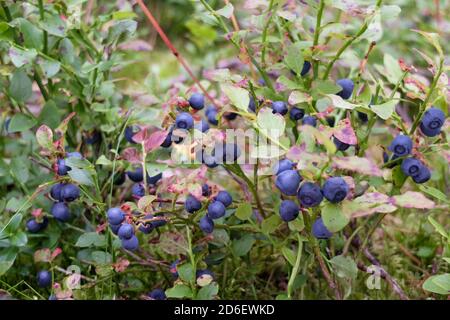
116, 186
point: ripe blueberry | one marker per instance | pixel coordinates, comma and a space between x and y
310, 195
423, 175
362, 117
115, 228
204, 273
202, 126
341, 146
206, 224
93, 137
331, 121
119, 178
206, 191
216, 210
184, 121
211, 115
192, 204
296, 114
130, 132
228, 153
126, 231
288, 210
320, 231
335, 189
401, 145
432, 121
130, 244
70, 192
173, 268
288, 181
136, 175
157, 294
115, 216
309, 120
230, 115
347, 88
62, 168
138, 190
252, 104
154, 179
147, 227
306, 68
279, 107
44, 279
33, 226
197, 101
55, 191
224, 197
60, 211
283, 165
168, 140
411, 166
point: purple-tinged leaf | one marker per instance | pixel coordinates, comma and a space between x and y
356, 164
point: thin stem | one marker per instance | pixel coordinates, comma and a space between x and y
42, 17
317, 35
264, 33
296, 267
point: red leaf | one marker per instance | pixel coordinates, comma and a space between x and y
345, 133
131, 155
56, 253
155, 140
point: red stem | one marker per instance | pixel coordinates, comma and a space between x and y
175, 52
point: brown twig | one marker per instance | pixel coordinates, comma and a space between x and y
326, 273
172, 48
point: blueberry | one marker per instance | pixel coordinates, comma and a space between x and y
154, 179
138, 190
206, 191
411, 166
184, 121
309, 120
147, 227
115, 228
210, 161
279, 107
192, 204
130, 244
62, 168
228, 153
283, 165
432, 121
206, 224
93, 137
168, 140
130, 131
296, 114
211, 115
310, 195
341, 146
126, 231
331, 121
157, 294
252, 104
60, 211
320, 231
216, 210
401, 145
288, 210
347, 88
70, 192
363, 117
202, 126
335, 189
44, 279
288, 181
423, 175
385, 157
136, 175
197, 101
306, 68
115, 216
33, 226
119, 178
55, 191
230, 115
204, 273
224, 197
173, 268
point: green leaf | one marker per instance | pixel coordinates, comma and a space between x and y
20, 87
21, 122
327, 87
384, 110
344, 266
21, 57
121, 15
439, 284
244, 211
271, 125
433, 39
270, 224
54, 25
18, 239
154, 169
434, 193
102, 160
289, 255
340, 103
208, 292
333, 217
294, 59
239, 97
243, 245
101, 257
439, 228
186, 272
297, 97
32, 36
19, 168
91, 239
50, 67
81, 176
226, 11
392, 70
179, 291
50, 115
44, 137
7, 258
